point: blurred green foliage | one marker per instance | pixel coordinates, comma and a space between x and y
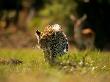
46, 12
57, 11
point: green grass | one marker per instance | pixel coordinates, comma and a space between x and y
85, 66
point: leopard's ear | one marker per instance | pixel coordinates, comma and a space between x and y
38, 35
38, 32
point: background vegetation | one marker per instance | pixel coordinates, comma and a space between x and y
29, 15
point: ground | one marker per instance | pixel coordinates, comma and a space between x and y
85, 66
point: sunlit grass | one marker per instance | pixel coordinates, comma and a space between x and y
74, 67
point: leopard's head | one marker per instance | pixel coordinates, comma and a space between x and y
48, 30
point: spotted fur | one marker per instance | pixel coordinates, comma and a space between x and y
53, 41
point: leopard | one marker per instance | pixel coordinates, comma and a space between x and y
53, 41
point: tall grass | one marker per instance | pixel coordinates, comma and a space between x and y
74, 66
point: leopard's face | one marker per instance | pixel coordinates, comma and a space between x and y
53, 41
